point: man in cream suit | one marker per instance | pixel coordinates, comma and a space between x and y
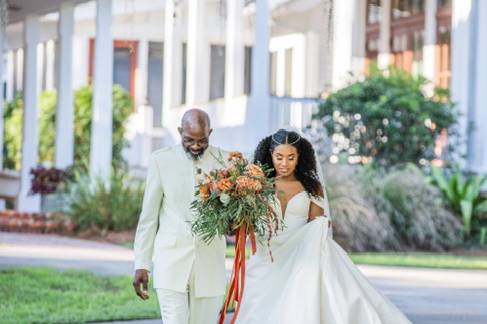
188, 274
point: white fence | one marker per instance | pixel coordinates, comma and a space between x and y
294, 112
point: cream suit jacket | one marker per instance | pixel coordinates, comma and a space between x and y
164, 231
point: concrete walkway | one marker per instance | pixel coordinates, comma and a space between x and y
427, 296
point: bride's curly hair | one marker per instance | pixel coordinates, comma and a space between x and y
305, 172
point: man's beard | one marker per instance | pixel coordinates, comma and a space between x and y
192, 156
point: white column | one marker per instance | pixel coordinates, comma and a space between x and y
234, 50
343, 39
30, 139
280, 72
40, 67
101, 130
358, 37
65, 104
460, 67
19, 69
50, 52
142, 73
197, 89
383, 60
172, 59
258, 111
80, 57
478, 145
429, 47
10, 75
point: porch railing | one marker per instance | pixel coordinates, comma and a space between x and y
294, 112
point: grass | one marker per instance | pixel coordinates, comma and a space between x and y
42, 295
413, 259
421, 260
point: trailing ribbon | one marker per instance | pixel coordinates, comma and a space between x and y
237, 280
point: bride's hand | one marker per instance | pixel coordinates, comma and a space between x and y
313, 218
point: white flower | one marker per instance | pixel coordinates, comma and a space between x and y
224, 198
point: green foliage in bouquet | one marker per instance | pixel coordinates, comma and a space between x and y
239, 194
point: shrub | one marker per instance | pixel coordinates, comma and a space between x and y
116, 206
387, 118
418, 215
388, 210
464, 198
12, 133
358, 224
122, 107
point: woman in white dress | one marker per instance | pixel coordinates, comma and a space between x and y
311, 279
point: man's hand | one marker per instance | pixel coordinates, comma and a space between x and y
141, 277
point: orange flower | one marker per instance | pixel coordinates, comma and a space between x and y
223, 173
254, 170
204, 192
235, 155
213, 187
247, 183
225, 184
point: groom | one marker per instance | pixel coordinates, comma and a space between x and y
189, 275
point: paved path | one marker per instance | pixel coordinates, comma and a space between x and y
427, 296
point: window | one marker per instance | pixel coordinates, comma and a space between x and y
401, 55
443, 57
407, 8
407, 28
407, 37
155, 80
374, 11
273, 73
121, 67
417, 48
217, 72
371, 52
183, 75
288, 72
248, 70
124, 63
443, 41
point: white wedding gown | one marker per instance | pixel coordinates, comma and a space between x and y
312, 280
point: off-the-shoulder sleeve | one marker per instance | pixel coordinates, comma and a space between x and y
323, 203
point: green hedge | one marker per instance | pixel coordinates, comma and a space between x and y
387, 118
122, 107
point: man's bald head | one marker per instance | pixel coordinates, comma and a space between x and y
195, 131
195, 118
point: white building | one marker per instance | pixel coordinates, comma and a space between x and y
253, 65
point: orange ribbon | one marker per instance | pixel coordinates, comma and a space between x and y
237, 280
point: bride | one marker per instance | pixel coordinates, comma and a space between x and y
311, 279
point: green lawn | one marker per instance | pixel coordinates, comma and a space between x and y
422, 260
42, 295
414, 259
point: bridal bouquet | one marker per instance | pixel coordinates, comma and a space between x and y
235, 200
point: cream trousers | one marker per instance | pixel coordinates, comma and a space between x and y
185, 308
